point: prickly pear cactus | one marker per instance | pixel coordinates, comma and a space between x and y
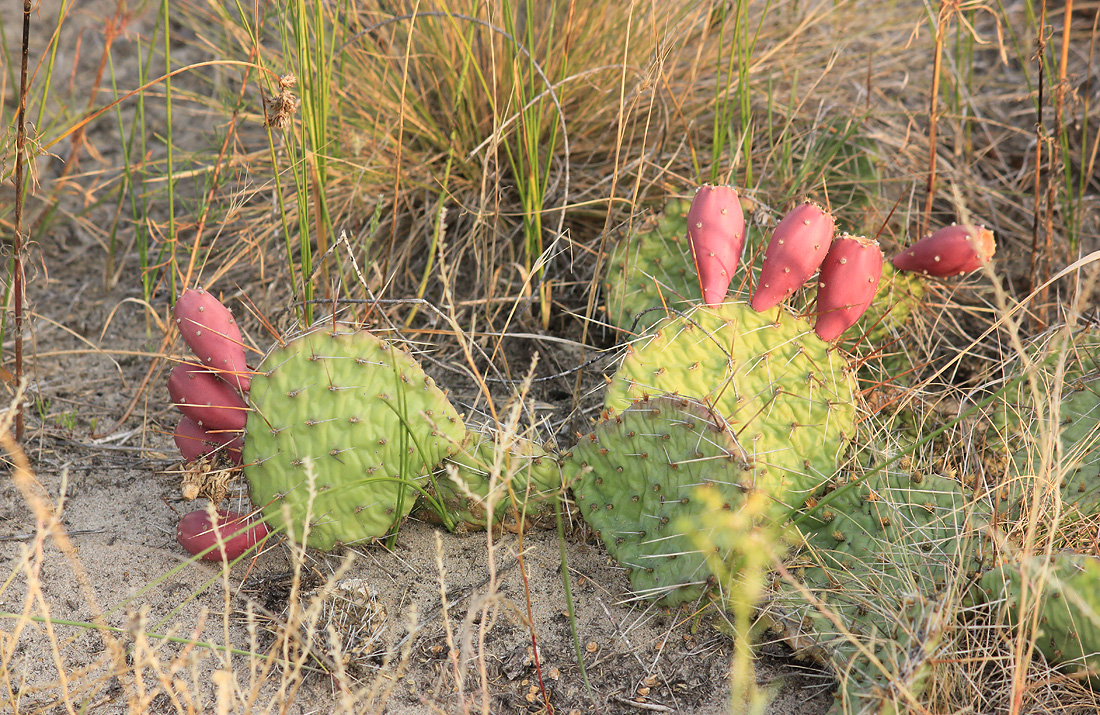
344, 428
635, 475
876, 562
789, 400
1066, 374
651, 268
1066, 593
526, 477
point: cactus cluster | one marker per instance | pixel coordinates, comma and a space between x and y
878, 558
713, 402
651, 269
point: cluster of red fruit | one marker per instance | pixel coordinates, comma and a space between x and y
209, 393
805, 241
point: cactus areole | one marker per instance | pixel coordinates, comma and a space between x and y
716, 230
846, 285
949, 251
797, 247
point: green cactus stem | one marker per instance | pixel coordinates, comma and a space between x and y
651, 268
344, 431
634, 476
1066, 592
514, 476
1045, 435
787, 398
875, 564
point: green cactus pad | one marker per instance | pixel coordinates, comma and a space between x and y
1066, 374
787, 398
878, 558
1068, 603
362, 412
635, 475
651, 268
533, 474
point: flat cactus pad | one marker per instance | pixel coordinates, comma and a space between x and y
344, 429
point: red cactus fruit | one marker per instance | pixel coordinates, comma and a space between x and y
200, 395
798, 246
210, 331
195, 441
847, 283
235, 532
950, 251
716, 230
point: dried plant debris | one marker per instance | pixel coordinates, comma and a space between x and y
282, 106
206, 478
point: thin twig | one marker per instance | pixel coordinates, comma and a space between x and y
1040, 138
17, 244
933, 110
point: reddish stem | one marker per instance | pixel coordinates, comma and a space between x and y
17, 245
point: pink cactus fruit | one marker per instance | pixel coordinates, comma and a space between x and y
200, 395
950, 251
716, 230
227, 538
797, 247
846, 285
195, 441
210, 331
